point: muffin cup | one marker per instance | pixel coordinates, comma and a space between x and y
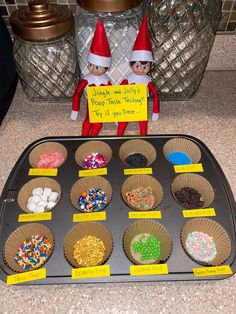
137, 146
149, 227
46, 148
84, 229
19, 236
92, 147
26, 191
86, 183
183, 145
213, 229
142, 180
197, 182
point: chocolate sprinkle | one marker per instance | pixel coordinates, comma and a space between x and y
136, 160
189, 198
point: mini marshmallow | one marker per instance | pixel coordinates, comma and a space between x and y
31, 207
36, 198
37, 191
42, 203
53, 197
39, 209
51, 205
47, 192
44, 198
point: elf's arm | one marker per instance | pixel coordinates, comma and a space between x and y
76, 99
156, 103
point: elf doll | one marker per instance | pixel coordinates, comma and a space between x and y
140, 63
99, 60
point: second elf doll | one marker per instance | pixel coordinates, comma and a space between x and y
140, 63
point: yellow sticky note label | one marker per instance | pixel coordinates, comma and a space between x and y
188, 168
90, 272
89, 217
201, 212
212, 271
27, 276
152, 269
43, 172
93, 172
137, 171
117, 103
35, 217
152, 214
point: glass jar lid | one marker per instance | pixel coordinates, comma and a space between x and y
41, 20
108, 5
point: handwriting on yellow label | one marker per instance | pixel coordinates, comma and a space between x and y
117, 103
35, 217
188, 168
212, 271
150, 214
89, 217
137, 171
201, 212
93, 172
90, 272
152, 269
27, 276
43, 172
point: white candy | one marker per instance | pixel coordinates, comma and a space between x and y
51, 205
31, 207
42, 203
44, 198
47, 192
39, 209
38, 191
36, 198
53, 197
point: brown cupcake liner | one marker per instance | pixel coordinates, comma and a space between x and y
26, 191
92, 147
142, 180
84, 229
183, 145
46, 148
86, 183
213, 229
196, 182
147, 227
18, 237
137, 146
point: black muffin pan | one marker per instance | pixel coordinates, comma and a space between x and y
179, 264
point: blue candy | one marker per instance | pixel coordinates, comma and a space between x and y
179, 158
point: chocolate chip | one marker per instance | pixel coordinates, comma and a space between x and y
189, 198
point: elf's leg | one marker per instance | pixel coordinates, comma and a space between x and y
86, 125
121, 128
143, 127
96, 127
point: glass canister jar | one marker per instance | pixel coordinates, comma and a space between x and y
182, 33
44, 51
121, 19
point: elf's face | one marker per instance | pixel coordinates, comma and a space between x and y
140, 69
96, 69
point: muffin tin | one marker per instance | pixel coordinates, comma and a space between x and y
60, 263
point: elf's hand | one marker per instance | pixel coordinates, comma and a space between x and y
74, 115
155, 117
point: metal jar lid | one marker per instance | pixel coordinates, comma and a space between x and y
108, 5
41, 21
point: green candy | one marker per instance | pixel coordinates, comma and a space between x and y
148, 246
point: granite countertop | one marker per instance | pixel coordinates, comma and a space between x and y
209, 116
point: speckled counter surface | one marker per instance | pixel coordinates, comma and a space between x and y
209, 116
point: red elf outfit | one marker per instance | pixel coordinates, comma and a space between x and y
140, 61
99, 61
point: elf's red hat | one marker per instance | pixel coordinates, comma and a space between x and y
142, 49
100, 53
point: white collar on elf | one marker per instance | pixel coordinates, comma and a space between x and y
96, 80
138, 79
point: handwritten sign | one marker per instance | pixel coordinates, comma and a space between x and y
92, 172
35, 217
91, 272
212, 271
117, 103
152, 269
89, 217
189, 168
146, 215
201, 212
128, 172
50, 172
27, 276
